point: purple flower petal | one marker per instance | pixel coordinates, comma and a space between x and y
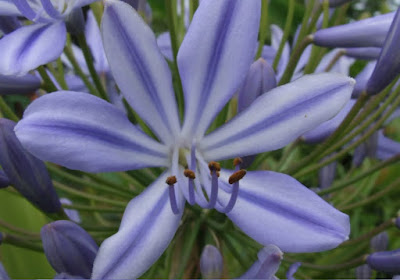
279, 117
276, 38
19, 85
388, 261
31, 46
139, 68
364, 53
321, 132
164, 44
267, 264
387, 147
8, 8
147, 228
342, 65
274, 208
81, 131
93, 37
370, 32
388, 65
214, 58
362, 79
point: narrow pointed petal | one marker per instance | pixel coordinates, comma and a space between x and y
214, 58
274, 208
147, 228
388, 65
325, 129
31, 46
72, 214
164, 44
69, 248
26, 173
292, 270
260, 79
370, 32
276, 38
267, 264
93, 37
364, 53
279, 117
81, 131
387, 147
362, 79
19, 84
139, 68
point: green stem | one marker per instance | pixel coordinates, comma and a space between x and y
90, 63
286, 152
6, 110
288, 27
61, 75
48, 83
21, 231
263, 27
372, 198
17, 241
89, 208
75, 192
82, 182
332, 267
370, 234
334, 60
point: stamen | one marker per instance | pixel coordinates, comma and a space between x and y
237, 162
191, 176
233, 179
214, 167
171, 181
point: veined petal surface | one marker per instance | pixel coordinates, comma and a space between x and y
81, 131
93, 37
274, 208
275, 119
31, 46
147, 228
214, 58
139, 68
7, 8
19, 84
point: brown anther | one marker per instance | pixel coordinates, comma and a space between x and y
189, 173
237, 161
237, 176
171, 180
214, 166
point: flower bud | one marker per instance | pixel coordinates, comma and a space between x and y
388, 261
363, 272
388, 65
75, 21
72, 214
370, 32
292, 270
69, 248
260, 79
26, 173
326, 175
211, 263
397, 222
4, 181
363, 53
269, 260
19, 84
380, 242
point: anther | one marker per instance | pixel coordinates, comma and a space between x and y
171, 180
189, 174
235, 177
237, 161
214, 166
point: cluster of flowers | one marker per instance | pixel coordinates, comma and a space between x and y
125, 100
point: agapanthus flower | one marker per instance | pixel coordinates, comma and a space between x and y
33, 45
81, 131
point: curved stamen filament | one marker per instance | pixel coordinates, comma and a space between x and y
171, 181
191, 176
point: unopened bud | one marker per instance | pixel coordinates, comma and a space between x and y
380, 242
269, 260
211, 263
69, 248
388, 261
363, 272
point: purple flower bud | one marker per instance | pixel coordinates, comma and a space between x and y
260, 79
19, 84
335, 3
368, 53
380, 242
388, 65
72, 214
366, 149
211, 263
292, 270
9, 23
370, 32
269, 260
388, 261
3, 273
4, 181
363, 272
397, 222
69, 248
326, 175
64, 275
25, 172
